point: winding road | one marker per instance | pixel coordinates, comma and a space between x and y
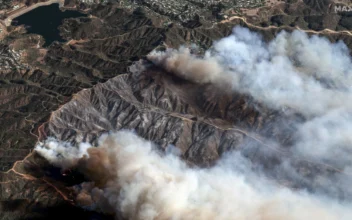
325, 31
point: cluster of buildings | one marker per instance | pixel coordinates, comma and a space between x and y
9, 58
248, 3
185, 10
90, 2
6, 4
9, 5
12, 7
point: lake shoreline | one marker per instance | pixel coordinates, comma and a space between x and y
45, 21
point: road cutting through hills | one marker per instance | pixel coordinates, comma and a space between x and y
244, 20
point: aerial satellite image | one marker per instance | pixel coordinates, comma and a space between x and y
176, 109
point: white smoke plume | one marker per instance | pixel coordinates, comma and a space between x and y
62, 154
130, 177
187, 66
309, 75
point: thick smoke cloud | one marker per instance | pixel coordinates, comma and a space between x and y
310, 75
132, 178
187, 66
63, 154
307, 75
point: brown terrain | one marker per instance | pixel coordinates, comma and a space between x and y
90, 79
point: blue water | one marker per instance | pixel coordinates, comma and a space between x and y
45, 21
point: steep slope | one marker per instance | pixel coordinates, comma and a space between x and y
160, 107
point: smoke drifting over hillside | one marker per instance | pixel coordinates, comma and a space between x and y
132, 178
308, 75
189, 67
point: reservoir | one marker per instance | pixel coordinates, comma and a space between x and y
45, 21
